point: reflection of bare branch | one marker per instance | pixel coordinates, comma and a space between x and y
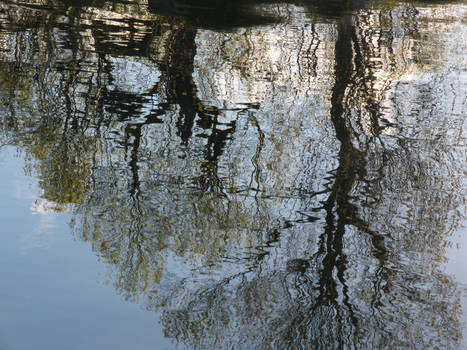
247, 176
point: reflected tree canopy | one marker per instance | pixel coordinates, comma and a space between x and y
283, 174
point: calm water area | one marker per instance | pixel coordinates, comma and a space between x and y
233, 175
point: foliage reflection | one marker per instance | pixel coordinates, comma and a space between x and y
283, 174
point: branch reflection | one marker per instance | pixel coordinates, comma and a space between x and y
278, 174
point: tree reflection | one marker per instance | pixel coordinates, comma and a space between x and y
288, 185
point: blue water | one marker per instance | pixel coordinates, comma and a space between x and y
53, 292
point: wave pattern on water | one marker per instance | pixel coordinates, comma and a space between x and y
269, 175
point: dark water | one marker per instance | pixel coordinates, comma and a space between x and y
233, 175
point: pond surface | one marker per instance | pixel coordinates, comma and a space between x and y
246, 175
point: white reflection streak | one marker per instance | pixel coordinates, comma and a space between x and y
41, 236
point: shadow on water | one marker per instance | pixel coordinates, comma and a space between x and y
225, 14
212, 13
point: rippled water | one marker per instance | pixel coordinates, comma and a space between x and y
250, 175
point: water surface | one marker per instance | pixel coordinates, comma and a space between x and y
248, 175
